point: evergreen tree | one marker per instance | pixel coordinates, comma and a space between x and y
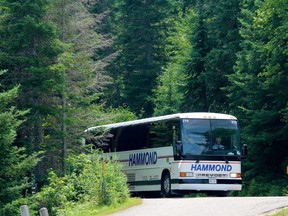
258, 89
29, 50
108, 28
15, 165
83, 76
215, 43
142, 45
168, 95
195, 87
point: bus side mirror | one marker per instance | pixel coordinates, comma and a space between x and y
245, 150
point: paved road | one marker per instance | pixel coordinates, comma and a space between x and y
213, 206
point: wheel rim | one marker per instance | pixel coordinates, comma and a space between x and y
166, 186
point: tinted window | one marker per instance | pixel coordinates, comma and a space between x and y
195, 136
206, 137
150, 135
164, 133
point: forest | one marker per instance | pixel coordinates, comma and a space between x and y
68, 65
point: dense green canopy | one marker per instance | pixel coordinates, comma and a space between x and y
85, 63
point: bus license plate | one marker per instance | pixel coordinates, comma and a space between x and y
212, 181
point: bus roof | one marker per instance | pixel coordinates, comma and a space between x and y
194, 115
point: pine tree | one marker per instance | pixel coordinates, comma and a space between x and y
195, 88
85, 62
215, 43
168, 95
142, 45
29, 50
72, 19
109, 27
258, 88
15, 165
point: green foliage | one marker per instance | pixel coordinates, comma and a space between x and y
159, 57
13, 208
29, 51
142, 43
118, 115
215, 41
168, 96
261, 187
91, 178
258, 95
15, 164
57, 194
91, 116
90, 209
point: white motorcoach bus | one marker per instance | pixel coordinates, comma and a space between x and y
185, 152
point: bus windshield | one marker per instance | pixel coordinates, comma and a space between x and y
210, 137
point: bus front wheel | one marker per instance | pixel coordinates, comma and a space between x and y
166, 185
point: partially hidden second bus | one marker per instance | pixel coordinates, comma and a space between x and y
185, 152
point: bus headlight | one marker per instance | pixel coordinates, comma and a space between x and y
186, 174
235, 175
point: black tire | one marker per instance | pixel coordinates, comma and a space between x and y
166, 185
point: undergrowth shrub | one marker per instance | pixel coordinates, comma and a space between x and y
91, 178
262, 187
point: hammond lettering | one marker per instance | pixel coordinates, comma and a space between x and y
143, 158
211, 167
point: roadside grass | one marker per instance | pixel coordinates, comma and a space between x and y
282, 212
94, 210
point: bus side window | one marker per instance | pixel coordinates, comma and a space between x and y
122, 142
163, 133
132, 138
99, 140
